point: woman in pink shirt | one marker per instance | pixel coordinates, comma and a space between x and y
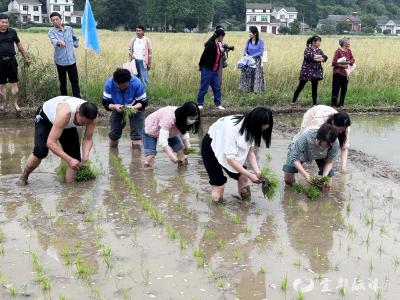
166, 126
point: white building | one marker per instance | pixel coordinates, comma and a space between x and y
390, 25
26, 10
66, 9
268, 19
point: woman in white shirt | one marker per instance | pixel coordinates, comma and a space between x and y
229, 144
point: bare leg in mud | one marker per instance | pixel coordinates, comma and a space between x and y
113, 144
149, 161
14, 96
289, 178
217, 193
243, 187
34, 162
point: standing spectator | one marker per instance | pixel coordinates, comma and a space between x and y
141, 50
342, 59
123, 91
8, 63
64, 40
208, 66
312, 68
253, 80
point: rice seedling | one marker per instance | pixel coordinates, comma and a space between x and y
370, 265
67, 256
220, 244
368, 219
2, 236
13, 291
342, 291
284, 283
319, 182
317, 255
221, 283
259, 239
88, 217
319, 276
367, 240
313, 192
192, 150
268, 157
352, 231
83, 270
348, 208
125, 294
378, 294
62, 297
382, 230
237, 255
128, 113
297, 263
396, 261
258, 212
183, 244
247, 229
171, 232
198, 252
299, 295
269, 183
200, 262
2, 249
85, 173
261, 270
43, 280
26, 217
209, 234
380, 249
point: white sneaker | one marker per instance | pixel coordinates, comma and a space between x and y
200, 107
220, 107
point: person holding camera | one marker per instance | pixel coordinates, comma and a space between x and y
252, 79
209, 66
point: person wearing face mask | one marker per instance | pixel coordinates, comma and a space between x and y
123, 91
229, 143
169, 127
320, 114
310, 144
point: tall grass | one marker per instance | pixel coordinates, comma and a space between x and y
174, 75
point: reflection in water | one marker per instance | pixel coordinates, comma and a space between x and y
311, 225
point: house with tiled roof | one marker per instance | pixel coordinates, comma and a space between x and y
353, 22
267, 18
26, 10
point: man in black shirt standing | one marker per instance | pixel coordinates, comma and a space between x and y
8, 62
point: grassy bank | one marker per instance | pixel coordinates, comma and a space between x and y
175, 78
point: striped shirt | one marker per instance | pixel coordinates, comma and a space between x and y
304, 148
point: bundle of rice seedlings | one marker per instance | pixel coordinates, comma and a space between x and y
269, 183
128, 113
85, 173
318, 181
192, 150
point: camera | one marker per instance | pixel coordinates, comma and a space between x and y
228, 48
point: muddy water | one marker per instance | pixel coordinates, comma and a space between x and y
350, 237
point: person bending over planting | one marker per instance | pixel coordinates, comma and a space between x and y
56, 122
320, 114
311, 144
165, 126
125, 96
229, 143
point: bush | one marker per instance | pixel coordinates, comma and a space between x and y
387, 32
283, 30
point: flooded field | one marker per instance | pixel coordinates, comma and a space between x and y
135, 234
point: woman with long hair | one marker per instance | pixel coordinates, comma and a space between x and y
252, 80
316, 116
311, 69
229, 143
166, 126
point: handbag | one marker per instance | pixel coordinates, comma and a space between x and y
131, 67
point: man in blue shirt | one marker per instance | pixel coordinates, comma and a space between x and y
123, 92
64, 40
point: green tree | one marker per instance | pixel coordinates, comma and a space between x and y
283, 30
295, 27
342, 28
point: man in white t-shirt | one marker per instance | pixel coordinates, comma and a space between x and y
140, 49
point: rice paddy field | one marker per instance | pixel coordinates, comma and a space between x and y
140, 234
175, 78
